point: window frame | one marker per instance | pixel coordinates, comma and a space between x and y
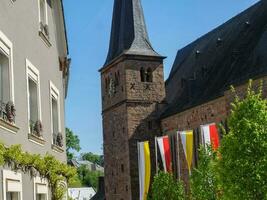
6, 47
33, 73
54, 93
46, 12
41, 181
11, 175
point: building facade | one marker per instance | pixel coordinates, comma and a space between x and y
139, 105
34, 68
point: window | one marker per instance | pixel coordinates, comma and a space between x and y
6, 70
41, 197
55, 114
7, 108
12, 186
43, 19
4, 78
34, 100
149, 75
142, 74
40, 189
146, 75
13, 195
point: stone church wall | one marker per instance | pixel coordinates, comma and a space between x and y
215, 111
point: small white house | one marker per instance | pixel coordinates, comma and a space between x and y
81, 193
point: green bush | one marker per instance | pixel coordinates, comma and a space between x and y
204, 179
165, 187
89, 178
243, 163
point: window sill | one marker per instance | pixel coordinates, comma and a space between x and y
8, 126
45, 39
35, 139
57, 148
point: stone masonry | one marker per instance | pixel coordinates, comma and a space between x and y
129, 116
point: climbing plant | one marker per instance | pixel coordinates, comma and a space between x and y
48, 167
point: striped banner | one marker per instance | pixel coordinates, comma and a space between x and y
165, 152
187, 142
210, 135
144, 164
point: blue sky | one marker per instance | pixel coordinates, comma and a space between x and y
171, 24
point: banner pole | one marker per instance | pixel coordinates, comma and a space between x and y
156, 151
178, 145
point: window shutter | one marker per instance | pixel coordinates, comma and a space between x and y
14, 186
41, 189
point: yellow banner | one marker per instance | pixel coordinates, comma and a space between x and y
144, 163
187, 141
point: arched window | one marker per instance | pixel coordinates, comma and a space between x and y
142, 74
149, 75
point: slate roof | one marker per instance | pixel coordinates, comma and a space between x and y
90, 165
128, 33
230, 54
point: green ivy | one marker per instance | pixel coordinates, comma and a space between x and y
34, 164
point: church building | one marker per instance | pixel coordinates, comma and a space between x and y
138, 105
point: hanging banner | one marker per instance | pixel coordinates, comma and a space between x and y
210, 135
165, 152
187, 143
144, 165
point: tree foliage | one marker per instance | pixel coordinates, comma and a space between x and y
204, 179
165, 187
72, 143
89, 178
243, 163
76, 182
97, 159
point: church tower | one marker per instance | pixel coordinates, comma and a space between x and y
132, 89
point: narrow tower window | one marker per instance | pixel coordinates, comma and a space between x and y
117, 78
142, 74
149, 75
106, 84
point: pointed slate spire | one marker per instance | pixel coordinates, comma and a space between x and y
128, 34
